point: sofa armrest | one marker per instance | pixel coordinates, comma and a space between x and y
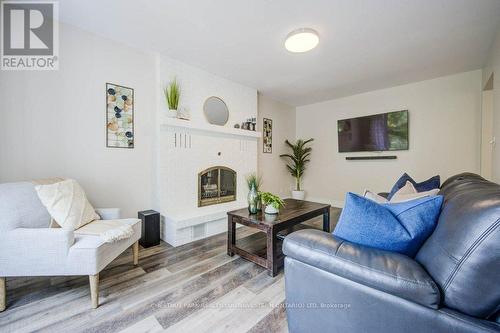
108, 213
386, 271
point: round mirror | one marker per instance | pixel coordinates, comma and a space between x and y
216, 111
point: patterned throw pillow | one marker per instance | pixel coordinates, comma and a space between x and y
67, 204
408, 192
375, 197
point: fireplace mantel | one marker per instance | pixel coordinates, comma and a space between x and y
190, 125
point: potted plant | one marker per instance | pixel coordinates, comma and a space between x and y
298, 160
273, 203
254, 202
172, 95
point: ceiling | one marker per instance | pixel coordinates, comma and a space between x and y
364, 44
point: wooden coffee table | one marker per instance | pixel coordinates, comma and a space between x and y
294, 212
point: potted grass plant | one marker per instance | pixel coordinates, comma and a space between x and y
298, 159
172, 95
272, 202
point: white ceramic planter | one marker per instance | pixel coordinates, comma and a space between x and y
172, 113
298, 195
271, 210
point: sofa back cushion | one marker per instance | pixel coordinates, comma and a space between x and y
21, 208
463, 253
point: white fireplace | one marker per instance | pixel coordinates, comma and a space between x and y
186, 150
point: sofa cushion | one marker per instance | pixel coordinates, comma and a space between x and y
389, 272
429, 184
400, 227
463, 253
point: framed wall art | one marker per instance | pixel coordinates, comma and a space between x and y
119, 116
267, 132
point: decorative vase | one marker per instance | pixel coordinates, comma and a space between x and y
252, 200
270, 209
172, 113
298, 195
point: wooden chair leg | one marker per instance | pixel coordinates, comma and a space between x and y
135, 250
94, 290
3, 294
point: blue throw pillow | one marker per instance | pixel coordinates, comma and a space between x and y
429, 184
400, 227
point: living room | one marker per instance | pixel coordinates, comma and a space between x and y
250, 166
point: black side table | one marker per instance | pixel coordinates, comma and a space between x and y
150, 235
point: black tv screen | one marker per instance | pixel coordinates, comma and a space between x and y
380, 132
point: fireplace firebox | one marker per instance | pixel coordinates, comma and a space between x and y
216, 185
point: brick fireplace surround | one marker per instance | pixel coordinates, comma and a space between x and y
184, 151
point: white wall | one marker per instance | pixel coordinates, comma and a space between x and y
53, 123
272, 170
444, 136
493, 66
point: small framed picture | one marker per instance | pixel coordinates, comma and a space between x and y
119, 116
267, 138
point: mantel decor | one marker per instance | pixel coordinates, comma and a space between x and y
119, 116
216, 111
172, 94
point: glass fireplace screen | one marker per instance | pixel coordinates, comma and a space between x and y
216, 185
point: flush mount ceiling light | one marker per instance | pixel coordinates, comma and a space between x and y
301, 40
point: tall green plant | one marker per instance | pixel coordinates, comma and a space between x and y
172, 94
298, 159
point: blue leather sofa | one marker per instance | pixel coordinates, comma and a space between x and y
452, 285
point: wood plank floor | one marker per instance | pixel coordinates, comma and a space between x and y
196, 287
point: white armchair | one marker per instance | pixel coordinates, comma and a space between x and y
28, 247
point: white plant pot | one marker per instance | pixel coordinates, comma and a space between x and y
271, 210
172, 113
298, 195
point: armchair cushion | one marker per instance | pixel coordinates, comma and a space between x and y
21, 208
386, 271
108, 213
90, 254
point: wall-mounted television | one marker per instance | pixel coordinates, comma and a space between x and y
379, 132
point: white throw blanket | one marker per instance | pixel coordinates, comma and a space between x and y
109, 230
